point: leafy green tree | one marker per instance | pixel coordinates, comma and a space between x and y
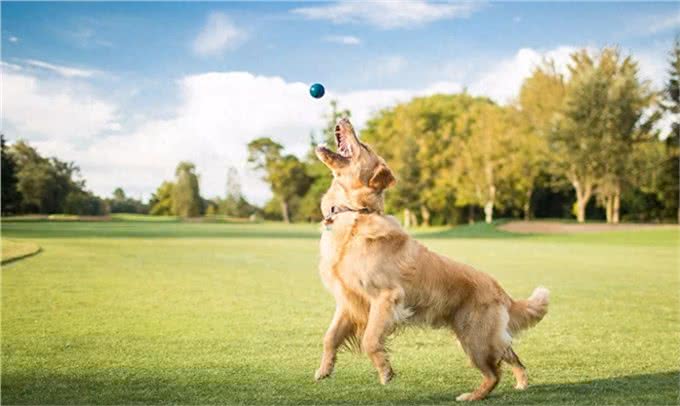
43, 183
669, 178
601, 120
34, 177
186, 198
234, 204
84, 203
229, 206
11, 199
121, 203
483, 167
286, 175
119, 194
418, 141
161, 202
540, 100
49, 185
628, 126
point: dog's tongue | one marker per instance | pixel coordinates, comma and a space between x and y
344, 148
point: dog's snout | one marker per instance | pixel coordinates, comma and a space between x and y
343, 123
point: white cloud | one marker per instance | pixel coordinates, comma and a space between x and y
653, 65
12, 38
52, 110
365, 103
343, 39
387, 14
218, 35
503, 80
214, 122
65, 71
7, 65
386, 66
216, 117
665, 23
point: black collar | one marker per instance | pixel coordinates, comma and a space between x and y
342, 209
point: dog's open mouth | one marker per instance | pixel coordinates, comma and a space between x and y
344, 147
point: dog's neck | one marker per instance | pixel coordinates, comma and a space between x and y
337, 210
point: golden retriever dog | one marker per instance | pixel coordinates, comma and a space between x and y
381, 278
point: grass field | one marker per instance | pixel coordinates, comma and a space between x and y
168, 312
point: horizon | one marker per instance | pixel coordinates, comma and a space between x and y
108, 86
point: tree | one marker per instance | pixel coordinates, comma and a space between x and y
161, 202
34, 176
49, 185
285, 174
525, 164
669, 179
233, 193
234, 204
121, 203
11, 199
418, 140
628, 126
44, 183
84, 203
540, 99
483, 166
186, 199
119, 194
601, 120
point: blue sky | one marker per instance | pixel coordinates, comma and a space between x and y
128, 89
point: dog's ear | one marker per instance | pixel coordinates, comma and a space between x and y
382, 178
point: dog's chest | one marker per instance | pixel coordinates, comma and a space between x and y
341, 266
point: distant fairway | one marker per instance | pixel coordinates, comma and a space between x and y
170, 312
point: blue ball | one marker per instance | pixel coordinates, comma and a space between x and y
317, 91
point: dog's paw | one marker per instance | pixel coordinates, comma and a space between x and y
522, 386
321, 374
464, 397
386, 376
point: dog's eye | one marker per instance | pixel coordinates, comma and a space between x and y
333, 209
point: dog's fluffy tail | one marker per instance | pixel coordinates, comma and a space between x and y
526, 313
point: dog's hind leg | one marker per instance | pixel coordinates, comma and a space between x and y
518, 369
485, 340
489, 364
340, 329
380, 325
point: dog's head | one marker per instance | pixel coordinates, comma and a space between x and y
359, 175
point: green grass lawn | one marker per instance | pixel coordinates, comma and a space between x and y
168, 312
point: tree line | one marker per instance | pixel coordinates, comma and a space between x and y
34, 184
584, 143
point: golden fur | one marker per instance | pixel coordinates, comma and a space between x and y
381, 278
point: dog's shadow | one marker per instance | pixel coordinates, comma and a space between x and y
260, 386
657, 388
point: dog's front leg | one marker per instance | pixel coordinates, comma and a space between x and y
337, 332
380, 325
